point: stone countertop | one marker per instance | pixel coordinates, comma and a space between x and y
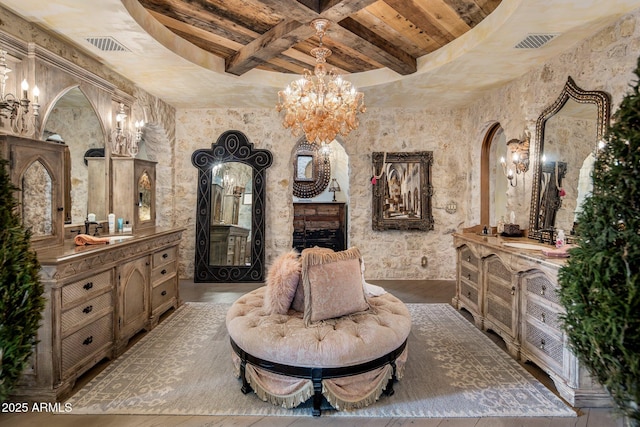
70, 251
497, 243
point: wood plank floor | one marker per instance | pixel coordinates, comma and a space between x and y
407, 291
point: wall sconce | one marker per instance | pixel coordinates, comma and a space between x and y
121, 139
14, 109
519, 153
333, 188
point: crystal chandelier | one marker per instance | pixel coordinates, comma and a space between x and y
321, 104
17, 110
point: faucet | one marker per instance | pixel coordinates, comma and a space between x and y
87, 225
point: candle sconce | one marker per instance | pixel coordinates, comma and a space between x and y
22, 122
518, 149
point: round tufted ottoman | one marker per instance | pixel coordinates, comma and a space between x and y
350, 360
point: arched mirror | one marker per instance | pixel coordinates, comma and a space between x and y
144, 197
311, 170
37, 198
73, 120
230, 210
567, 135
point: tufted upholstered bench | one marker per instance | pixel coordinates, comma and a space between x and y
350, 360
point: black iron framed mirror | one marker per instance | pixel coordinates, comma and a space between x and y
230, 210
567, 136
311, 170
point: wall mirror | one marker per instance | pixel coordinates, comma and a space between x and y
74, 121
567, 135
37, 198
311, 170
144, 197
230, 210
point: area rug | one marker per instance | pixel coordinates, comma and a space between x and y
183, 367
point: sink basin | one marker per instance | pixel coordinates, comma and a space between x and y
115, 239
524, 246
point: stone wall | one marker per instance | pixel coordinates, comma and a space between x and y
604, 62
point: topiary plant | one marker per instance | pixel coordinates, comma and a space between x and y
600, 283
21, 300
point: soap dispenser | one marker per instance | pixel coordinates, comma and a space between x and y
560, 239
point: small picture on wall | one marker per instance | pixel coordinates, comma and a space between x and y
402, 194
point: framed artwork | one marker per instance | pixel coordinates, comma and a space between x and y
402, 191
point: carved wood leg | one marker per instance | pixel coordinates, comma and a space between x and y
246, 387
316, 378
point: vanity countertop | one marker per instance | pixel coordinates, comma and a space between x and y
69, 251
497, 243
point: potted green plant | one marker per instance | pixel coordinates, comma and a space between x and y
21, 299
600, 283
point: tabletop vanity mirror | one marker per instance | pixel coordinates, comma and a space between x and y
567, 136
230, 221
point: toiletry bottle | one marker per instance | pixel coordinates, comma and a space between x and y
560, 239
112, 223
500, 226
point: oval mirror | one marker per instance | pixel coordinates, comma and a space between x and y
74, 121
311, 170
567, 135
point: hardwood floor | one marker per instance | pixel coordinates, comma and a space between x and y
434, 291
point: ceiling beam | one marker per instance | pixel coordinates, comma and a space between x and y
269, 45
358, 37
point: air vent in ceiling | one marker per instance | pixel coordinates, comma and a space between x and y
534, 41
107, 44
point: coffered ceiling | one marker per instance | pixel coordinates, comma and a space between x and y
400, 53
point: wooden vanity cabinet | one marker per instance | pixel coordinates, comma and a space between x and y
131, 202
133, 300
501, 301
519, 301
468, 287
47, 218
96, 299
164, 282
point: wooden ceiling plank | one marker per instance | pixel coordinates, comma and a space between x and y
201, 19
388, 21
411, 11
275, 41
360, 38
468, 11
488, 6
184, 28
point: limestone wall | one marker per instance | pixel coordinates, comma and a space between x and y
604, 62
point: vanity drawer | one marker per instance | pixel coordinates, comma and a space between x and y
85, 312
542, 314
469, 274
467, 256
541, 286
546, 345
164, 256
84, 287
163, 272
162, 293
469, 292
86, 341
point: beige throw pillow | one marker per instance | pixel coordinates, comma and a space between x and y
282, 281
332, 285
298, 298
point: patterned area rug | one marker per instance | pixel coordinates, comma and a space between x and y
183, 367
